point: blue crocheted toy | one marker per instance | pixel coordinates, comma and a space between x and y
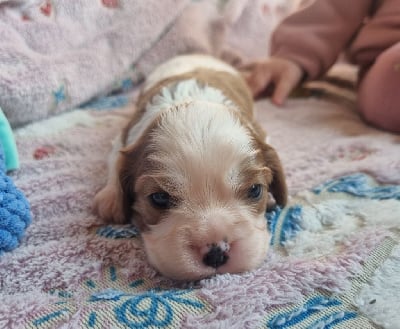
15, 215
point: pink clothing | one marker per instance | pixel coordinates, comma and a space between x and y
378, 91
368, 31
314, 36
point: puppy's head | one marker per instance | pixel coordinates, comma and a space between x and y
197, 184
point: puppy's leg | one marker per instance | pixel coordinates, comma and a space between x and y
108, 202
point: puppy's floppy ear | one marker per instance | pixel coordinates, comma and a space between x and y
131, 167
278, 187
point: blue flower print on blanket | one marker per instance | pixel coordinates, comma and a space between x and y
60, 95
106, 103
330, 307
118, 231
317, 220
119, 303
360, 185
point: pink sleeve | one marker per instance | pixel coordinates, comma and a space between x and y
314, 36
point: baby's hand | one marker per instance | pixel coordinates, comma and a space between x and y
285, 75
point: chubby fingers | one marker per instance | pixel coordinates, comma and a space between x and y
287, 79
257, 76
283, 74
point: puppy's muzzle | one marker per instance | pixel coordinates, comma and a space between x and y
217, 255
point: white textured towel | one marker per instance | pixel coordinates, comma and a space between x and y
56, 55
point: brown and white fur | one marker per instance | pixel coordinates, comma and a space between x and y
188, 168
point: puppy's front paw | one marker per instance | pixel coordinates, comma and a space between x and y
107, 205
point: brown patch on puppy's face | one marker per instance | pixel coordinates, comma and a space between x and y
197, 187
277, 186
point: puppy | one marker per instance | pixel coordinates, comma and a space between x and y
192, 171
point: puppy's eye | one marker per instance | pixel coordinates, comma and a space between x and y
255, 192
161, 200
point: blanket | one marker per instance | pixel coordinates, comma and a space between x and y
56, 55
334, 260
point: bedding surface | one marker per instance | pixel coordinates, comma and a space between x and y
335, 255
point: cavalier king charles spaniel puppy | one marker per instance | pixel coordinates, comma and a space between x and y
193, 172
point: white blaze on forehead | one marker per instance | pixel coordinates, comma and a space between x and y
203, 133
201, 138
201, 152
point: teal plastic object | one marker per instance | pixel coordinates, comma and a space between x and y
7, 141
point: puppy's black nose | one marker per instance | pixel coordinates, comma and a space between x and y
215, 257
